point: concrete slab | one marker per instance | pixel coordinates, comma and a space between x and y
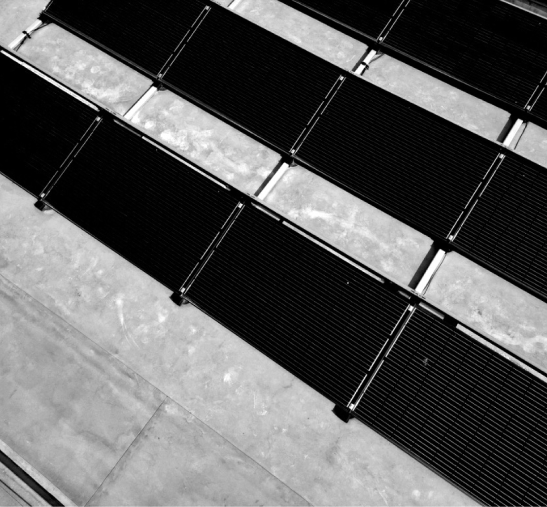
533, 144
432, 94
8, 498
178, 460
84, 68
489, 304
272, 417
304, 31
16, 16
350, 224
224, 3
207, 141
68, 407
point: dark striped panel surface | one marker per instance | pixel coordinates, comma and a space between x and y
258, 80
368, 17
150, 208
409, 162
144, 32
507, 228
464, 410
42, 124
317, 316
489, 44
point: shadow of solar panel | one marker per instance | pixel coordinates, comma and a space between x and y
42, 124
399, 157
507, 228
150, 208
490, 45
368, 17
314, 314
144, 32
267, 85
464, 410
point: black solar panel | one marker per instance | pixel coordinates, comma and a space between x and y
141, 202
464, 410
409, 162
507, 228
368, 17
41, 125
144, 32
258, 80
489, 44
319, 317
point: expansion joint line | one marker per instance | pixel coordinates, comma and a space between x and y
318, 113
66, 164
178, 297
192, 30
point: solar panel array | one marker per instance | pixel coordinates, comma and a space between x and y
411, 163
472, 415
460, 407
507, 229
146, 34
488, 44
42, 125
262, 82
319, 317
144, 204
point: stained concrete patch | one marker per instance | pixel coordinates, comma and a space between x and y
207, 141
304, 31
263, 410
489, 304
85, 68
438, 97
178, 460
68, 407
533, 144
350, 224
16, 16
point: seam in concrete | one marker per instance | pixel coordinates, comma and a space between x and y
63, 498
128, 447
34, 473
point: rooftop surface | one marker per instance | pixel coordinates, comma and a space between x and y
113, 395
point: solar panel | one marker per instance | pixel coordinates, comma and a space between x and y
488, 44
368, 18
42, 124
467, 412
407, 161
507, 228
267, 85
146, 32
316, 315
149, 207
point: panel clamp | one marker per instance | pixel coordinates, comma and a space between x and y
343, 413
